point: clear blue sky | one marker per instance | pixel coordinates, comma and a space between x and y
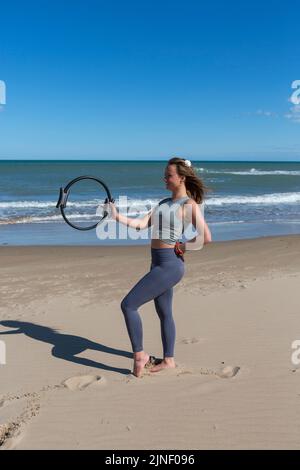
149, 79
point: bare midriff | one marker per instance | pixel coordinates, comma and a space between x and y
156, 243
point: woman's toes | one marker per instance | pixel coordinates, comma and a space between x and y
158, 367
163, 365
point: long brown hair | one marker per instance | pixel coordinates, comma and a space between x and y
195, 187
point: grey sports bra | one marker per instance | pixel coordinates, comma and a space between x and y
167, 226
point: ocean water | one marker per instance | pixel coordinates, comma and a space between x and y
247, 199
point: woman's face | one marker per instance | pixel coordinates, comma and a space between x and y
171, 178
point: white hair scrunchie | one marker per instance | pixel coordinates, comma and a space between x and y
188, 162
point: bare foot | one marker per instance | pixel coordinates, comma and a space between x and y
139, 364
165, 364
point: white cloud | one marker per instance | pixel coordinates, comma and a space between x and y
261, 112
294, 114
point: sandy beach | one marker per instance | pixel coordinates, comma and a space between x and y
67, 381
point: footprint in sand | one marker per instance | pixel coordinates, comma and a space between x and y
228, 372
224, 373
16, 412
2, 401
6, 432
80, 382
190, 340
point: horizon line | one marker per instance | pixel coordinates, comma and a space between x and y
138, 160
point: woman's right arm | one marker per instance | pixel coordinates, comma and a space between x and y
137, 223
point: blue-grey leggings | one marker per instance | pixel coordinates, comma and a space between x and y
166, 270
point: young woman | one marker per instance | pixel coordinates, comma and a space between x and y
167, 262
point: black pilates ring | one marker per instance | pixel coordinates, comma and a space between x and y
63, 199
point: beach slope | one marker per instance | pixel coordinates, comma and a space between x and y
67, 381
